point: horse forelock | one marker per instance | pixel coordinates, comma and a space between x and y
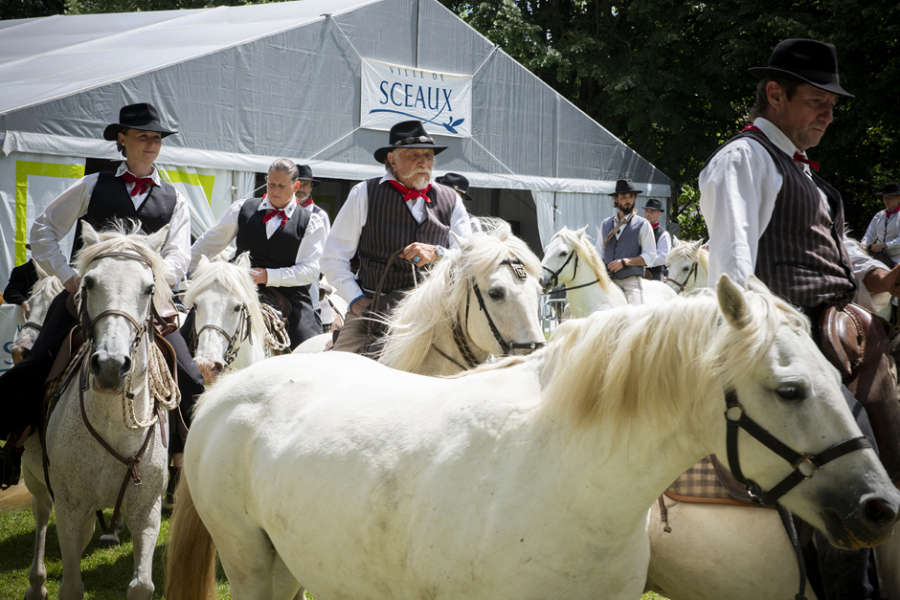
582, 243
657, 364
237, 280
121, 238
429, 311
47, 287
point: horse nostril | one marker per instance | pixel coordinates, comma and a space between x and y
126, 366
95, 364
218, 367
878, 512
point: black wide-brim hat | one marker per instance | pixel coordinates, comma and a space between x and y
808, 61
141, 116
306, 175
890, 189
654, 204
408, 134
624, 186
457, 182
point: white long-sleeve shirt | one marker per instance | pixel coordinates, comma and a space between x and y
344, 237
662, 249
738, 189
646, 238
305, 269
884, 230
57, 220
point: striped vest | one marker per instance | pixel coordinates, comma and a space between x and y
801, 254
390, 227
110, 201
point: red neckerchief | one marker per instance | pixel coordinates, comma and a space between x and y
276, 212
409, 194
800, 158
891, 212
307, 202
655, 225
141, 184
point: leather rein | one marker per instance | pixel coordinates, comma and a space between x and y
695, 271
554, 275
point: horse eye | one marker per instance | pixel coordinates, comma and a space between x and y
497, 294
792, 393
89, 283
238, 308
150, 289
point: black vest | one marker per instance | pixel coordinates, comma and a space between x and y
110, 201
390, 227
801, 254
278, 252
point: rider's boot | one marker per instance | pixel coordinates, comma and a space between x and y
10, 463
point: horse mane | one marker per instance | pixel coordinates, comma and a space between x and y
48, 286
125, 236
583, 244
687, 250
237, 280
429, 311
634, 364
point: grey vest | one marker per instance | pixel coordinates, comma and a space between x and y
391, 227
627, 246
801, 254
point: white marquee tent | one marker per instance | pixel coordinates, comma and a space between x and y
245, 85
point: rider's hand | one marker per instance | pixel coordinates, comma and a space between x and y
882, 280
27, 308
360, 305
259, 275
73, 284
420, 254
616, 265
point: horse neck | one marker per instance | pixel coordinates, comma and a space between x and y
252, 350
436, 364
590, 298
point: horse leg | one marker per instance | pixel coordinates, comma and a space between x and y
249, 562
41, 507
144, 523
284, 584
75, 529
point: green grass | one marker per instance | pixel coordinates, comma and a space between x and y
105, 571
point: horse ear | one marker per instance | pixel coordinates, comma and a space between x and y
674, 240
731, 303
243, 261
89, 235
41, 273
156, 240
203, 262
460, 241
582, 231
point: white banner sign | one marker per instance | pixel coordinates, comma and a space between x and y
391, 94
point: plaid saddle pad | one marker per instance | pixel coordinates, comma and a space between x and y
700, 481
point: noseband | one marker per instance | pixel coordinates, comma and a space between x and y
241, 333
805, 465
554, 279
693, 272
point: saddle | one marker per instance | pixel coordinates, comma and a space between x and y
856, 342
276, 300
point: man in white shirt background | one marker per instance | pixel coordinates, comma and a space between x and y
653, 210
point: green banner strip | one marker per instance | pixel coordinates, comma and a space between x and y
24, 169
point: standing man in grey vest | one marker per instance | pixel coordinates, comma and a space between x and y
396, 225
626, 243
769, 214
653, 210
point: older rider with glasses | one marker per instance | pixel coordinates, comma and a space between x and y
285, 241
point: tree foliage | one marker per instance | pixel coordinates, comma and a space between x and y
670, 78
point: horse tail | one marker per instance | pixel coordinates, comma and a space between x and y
191, 570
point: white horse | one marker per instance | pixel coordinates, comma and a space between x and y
479, 301
229, 327
110, 397
716, 551
571, 258
43, 292
688, 264
526, 479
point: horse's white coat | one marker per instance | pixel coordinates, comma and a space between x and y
42, 294
717, 551
681, 259
531, 478
84, 476
602, 295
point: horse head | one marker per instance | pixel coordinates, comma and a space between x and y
226, 313
121, 276
687, 262
42, 294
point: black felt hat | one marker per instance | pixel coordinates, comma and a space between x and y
624, 186
457, 182
408, 134
890, 189
306, 175
654, 204
141, 116
808, 61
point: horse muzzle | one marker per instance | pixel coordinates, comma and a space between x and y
109, 371
868, 522
210, 369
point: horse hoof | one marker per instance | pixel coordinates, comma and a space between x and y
108, 541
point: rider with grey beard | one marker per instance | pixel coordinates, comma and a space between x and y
397, 225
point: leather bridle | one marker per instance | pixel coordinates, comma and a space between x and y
241, 333
693, 272
554, 279
805, 465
